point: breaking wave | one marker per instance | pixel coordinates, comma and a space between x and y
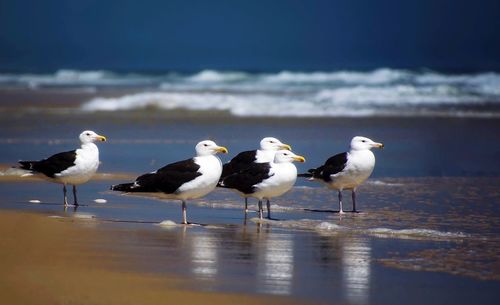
379, 92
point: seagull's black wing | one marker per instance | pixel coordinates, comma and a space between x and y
332, 166
52, 165
181, 166
245, 180
239, 163
167, 179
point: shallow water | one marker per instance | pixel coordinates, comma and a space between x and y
429, 215
321, 255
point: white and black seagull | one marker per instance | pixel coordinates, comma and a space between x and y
189, 179
346, 171
268, 147
70, 167
265, 180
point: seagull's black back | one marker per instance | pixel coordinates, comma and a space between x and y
245, 180
242, 161
167, 179
332, 166
52, 165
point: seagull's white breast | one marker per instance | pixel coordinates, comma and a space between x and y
358, 168
86, 164
282, 180
211, 170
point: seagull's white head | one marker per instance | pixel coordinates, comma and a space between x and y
362, 143
283, 156
208, 148
88, 136
274, 144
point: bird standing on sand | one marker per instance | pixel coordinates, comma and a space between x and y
346, 171
189, 179
265, 180
70, 167
268, 147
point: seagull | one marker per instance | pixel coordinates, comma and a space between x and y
265, 180
70, 167
268, 147
184, 180
347, 170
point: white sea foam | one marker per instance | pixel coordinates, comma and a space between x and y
379, 76
212, 76
382, 183
353, 101
325, 227
239, 105
312, 94
14, 171
328, 226
302, 224
167, 223
415, 233
67, 77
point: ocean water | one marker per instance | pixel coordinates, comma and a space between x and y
381, 92
430, 212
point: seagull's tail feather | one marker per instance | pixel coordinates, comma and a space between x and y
125, 187
305, 175
310, 174
28, 165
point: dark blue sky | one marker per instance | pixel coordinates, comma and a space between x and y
186, 35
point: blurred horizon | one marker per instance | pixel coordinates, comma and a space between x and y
157, 37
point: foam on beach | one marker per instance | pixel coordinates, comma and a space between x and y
167, 223
328, 227
416, 233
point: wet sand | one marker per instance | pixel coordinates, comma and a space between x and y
63, 261
407, 230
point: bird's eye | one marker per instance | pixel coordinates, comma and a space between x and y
363, 141
205, 145
88, 134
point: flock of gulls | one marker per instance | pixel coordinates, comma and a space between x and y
263, 174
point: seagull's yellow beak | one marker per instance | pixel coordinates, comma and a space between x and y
299, 159
378, 145
101, 138
286, 147
221, 149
